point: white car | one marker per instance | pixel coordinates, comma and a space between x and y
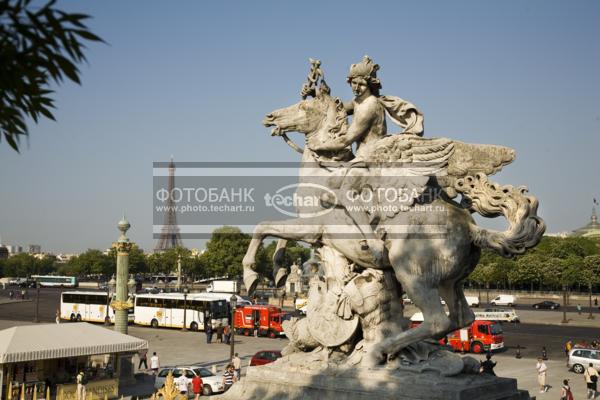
211, 383
472, 301
504, 300
580, 359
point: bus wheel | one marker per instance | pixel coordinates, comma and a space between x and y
477, 347
72, 318
272, 334
78, 317
194, 326
154, 323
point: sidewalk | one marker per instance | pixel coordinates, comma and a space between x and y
6, 300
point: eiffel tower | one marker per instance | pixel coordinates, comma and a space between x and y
169, 235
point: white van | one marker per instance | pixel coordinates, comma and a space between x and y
472, 301
504, 300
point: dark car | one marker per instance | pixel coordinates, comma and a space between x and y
546, 304
265, 357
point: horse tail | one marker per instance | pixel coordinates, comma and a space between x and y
490, 199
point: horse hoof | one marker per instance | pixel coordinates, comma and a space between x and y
250, 281
280, 277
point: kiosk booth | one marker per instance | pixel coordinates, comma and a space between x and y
42, 356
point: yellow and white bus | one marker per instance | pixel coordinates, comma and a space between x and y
87, 306
166, 310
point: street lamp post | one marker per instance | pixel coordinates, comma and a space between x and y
565, 320
591, 316
233, 305
185, 294
37, 301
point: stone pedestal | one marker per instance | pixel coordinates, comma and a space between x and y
275, 382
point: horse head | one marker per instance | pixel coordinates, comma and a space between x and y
320, 118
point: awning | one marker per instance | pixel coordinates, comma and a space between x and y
47, 341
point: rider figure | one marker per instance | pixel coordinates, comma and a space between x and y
368, 125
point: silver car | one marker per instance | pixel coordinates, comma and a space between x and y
211, 383
580, 359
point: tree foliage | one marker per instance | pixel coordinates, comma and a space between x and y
38, 47
554, 263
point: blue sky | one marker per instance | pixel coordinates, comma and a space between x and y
194, 79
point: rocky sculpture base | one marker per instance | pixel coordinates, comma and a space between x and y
280, 381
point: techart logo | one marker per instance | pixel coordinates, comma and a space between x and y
301, 200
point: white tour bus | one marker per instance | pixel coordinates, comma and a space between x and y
55, 281
227, 297
87, 306
166, 310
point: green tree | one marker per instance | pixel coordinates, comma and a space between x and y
38, 47
225, 251
92, 261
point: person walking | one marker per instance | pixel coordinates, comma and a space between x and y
182, 384
487, 366
226, 334
542, 370
197, 386
578, 308
591, 381
57, 317
565, 391
154, 363
143, 354
228, 377
209, 333
220, 334
237, 366
81, 382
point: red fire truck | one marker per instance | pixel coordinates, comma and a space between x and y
480, 337
264, 319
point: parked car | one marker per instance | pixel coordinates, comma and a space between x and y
265, 357
504, 300
580, 359
211, 383
546, 304
152, 290
472, 301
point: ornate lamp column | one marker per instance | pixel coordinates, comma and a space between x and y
121, 304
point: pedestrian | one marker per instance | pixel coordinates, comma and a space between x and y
57, 318
595, 301
565, 391
487, 366
226, 334
568, 347
237, 366
197, 386
24, 294
143, 354
11, 295
228, 377
81, 382
544, 353
578, 308
591, 381
542, 370
220, 334
209, 333
154, 363
182, 383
